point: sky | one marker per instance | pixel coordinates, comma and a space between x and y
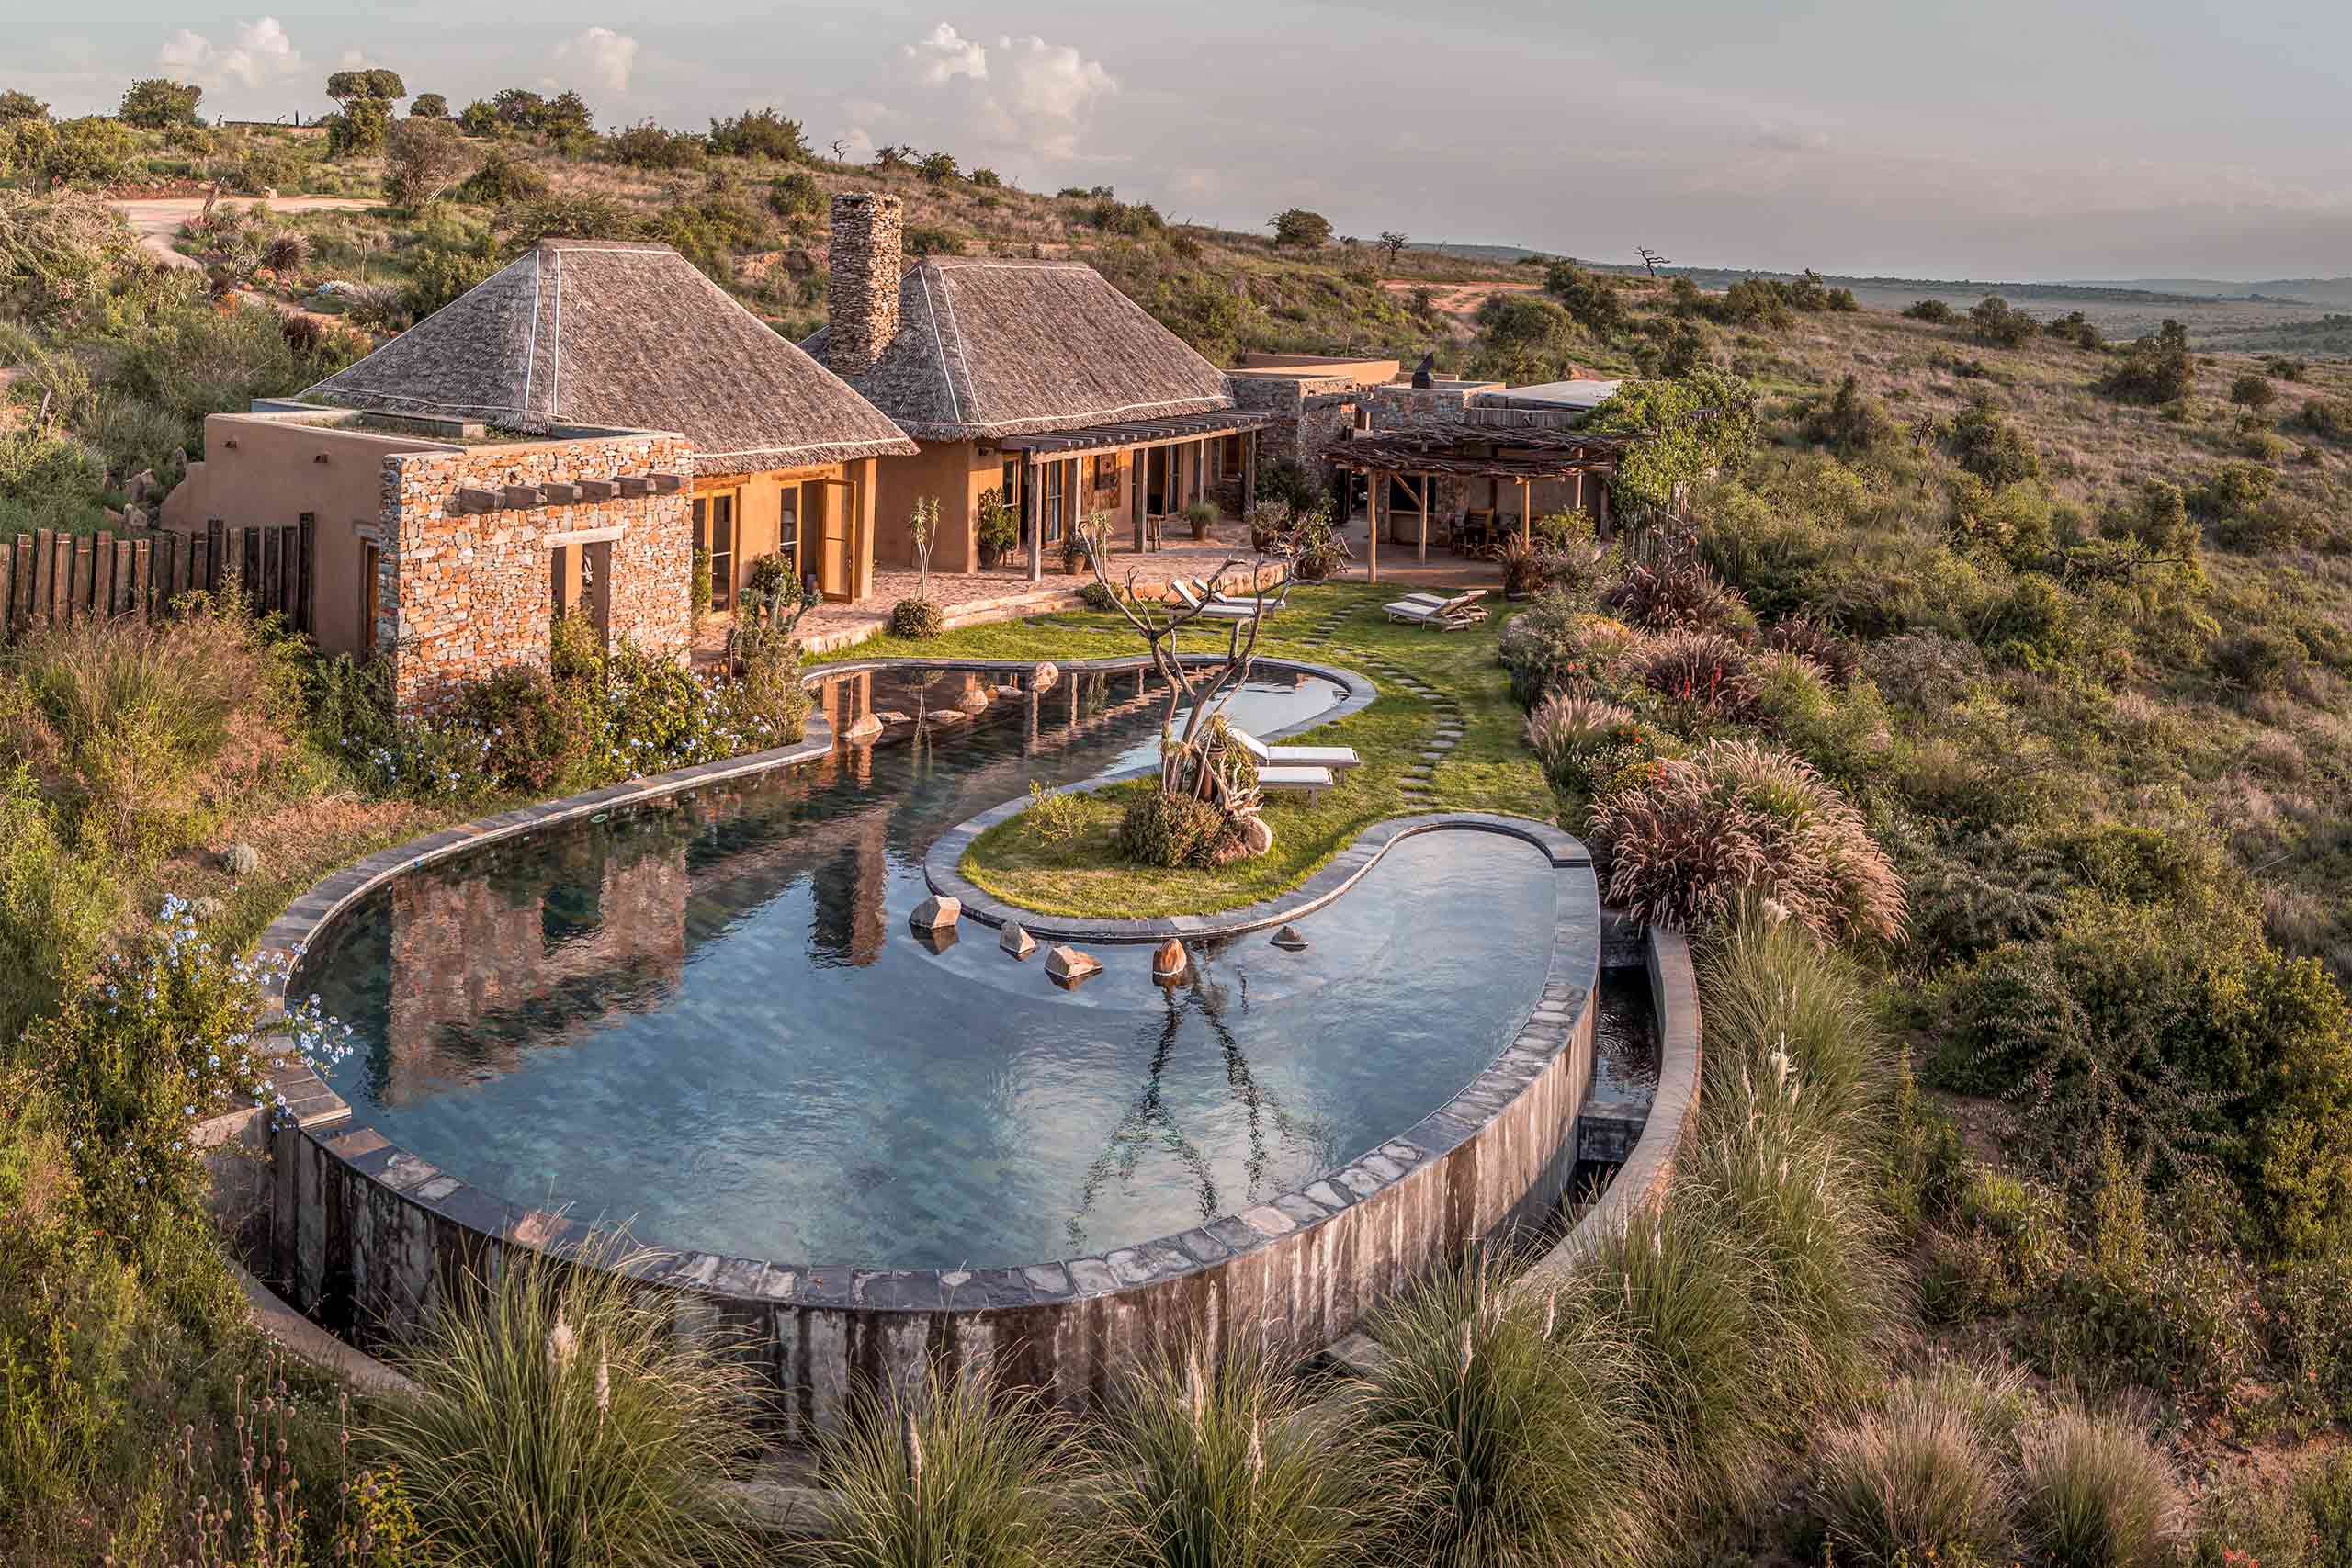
1995, 139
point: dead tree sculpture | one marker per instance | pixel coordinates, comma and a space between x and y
1202, 762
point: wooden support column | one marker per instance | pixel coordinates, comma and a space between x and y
1250, 473
1527, 512
1138, 465
1376, 480
1033, 518
1424, 492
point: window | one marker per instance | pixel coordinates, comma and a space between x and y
1050, 527
715, 537
787, 530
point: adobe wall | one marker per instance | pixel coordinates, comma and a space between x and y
266, 472
463, 594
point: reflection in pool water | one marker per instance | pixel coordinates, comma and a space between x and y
710, 1019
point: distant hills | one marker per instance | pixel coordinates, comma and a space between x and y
2301, 290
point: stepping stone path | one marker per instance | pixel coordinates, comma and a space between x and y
1417, 785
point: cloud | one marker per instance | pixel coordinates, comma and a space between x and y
608, 57
942, 54
261, 52
1022, 94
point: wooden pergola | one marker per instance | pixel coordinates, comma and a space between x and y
1495, 454
1196, 430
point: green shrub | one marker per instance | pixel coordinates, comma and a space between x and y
502, 179
770, 705
359, 130
759, 134
956, 1473
2233, 490
645, 145
2240, 1521
1998, 323
2327, 418
57, 906
438, 274
931, 240
2096, 1495
1217, 1466
2324, 1492
918, 618
2261, 659
557, 1418
2194, 1043
1098, 596
1915, 1482
269, 165
796, 195
1934, 310
2156, 370
1514, 1417
1992, 448
2253, 391
528, 741
1169, 830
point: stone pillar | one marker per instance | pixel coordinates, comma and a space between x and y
861, 302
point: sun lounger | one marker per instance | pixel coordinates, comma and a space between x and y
1274, 600
1450, 615
1309, 781
1338, 759
1211, 610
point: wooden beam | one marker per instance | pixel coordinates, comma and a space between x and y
1376, 482
1527, 512
1248, 473
1424, 493
1033, 518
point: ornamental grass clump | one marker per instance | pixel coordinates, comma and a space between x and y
2097, 1495
1679, 593
1838, 657
1685, 838
1914, 1483
1514, 1417
1214, 1467
1701, 669
1569, 729
558, 1417
955, 1471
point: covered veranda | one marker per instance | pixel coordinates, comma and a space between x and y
1414, 461
1190, 469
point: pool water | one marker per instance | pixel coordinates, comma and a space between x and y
709, 1019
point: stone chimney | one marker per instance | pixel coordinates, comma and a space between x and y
861, 304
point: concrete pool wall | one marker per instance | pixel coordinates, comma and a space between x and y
371, 1240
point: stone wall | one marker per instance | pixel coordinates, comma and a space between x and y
1312, 414
462, 594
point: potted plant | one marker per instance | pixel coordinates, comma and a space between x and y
1201, 516
999, 530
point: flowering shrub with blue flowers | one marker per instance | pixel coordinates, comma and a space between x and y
173, 1032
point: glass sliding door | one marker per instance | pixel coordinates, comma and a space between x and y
715, 537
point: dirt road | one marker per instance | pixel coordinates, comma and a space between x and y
157, 220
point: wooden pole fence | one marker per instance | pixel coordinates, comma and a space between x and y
50, 579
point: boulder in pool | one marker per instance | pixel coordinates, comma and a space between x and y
1170, 962
1016, 939
1289, 939
974, 701
938, 912
1068, 966
1043, 678
867, 727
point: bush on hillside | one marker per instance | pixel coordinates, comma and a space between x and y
1852, 423
796, 195
1997, 322
1915, 1482
1992, 448
1836, 657
1934, 310
2192, 1040
1568, 728
423, 159
646, 145
2156, 370
2095, 1494
759, 134
1685, 841
502, 179
1553, 645
2253, 391
2260, 660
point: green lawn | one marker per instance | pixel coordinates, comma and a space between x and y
1488, 770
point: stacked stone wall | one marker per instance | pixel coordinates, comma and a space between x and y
462, 594
862, 299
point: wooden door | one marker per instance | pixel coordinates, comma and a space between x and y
833, 573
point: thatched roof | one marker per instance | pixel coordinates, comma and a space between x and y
991, 346
613, 333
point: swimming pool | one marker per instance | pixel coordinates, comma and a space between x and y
707, 1017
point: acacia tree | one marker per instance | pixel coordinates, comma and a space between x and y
1296, 226
1194, 763
423, 158
1393, 240
158, 103
1651, 259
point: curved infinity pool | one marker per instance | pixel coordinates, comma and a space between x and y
709, 1019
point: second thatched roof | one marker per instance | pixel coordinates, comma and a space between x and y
990, 346
627, 334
